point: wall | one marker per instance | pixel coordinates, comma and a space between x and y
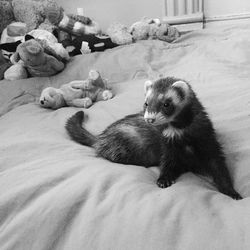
215, 8
107, 11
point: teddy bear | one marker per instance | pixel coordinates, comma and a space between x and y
140, 30
163, 32
50, 44
48, 41
30, 54
119, 34
32, 13
79, 93
149, 28
73, 24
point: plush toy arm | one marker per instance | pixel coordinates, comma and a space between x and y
53, 62
16, 72
15, 58
81, 84
81, 103
104, 95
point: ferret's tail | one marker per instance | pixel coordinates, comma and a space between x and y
77, 132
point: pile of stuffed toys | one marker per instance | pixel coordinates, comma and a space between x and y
35, 48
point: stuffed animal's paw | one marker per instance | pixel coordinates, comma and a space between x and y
81, 84
107, 95
87, 102
93, 75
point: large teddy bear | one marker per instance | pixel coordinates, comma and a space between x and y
30, 56
79, 93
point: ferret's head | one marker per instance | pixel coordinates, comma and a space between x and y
165, 98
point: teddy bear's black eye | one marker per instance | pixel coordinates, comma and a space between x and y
145, 104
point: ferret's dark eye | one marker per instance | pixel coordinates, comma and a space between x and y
166, 104
145, 104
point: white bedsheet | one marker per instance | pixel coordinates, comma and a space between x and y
56, 194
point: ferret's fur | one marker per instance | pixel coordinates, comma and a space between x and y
174, 132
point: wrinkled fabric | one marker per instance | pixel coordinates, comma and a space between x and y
56, 194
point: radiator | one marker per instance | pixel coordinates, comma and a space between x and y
184, 14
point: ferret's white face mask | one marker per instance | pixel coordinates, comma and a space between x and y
164, 101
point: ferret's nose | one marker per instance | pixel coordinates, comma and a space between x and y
150, 120
42, 102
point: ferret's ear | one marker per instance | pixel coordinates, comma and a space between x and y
182, 85
147, 85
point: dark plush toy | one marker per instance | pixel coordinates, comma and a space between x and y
89, 43
11, 47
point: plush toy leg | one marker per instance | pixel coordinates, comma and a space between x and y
96, 79
81, 84
16, 72
94, 75
82, 103
107, 94
104, 95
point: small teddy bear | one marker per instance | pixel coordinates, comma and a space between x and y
31, 56
79, 93
140, 29
149, 28
163, 32
119, 34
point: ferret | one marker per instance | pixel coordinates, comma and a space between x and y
173, 132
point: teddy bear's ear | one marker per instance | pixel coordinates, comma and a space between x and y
28, 37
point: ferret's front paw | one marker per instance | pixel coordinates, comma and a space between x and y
237, 196
165, 182
107, 95
234, 195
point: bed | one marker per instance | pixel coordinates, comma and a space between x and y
56, 194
